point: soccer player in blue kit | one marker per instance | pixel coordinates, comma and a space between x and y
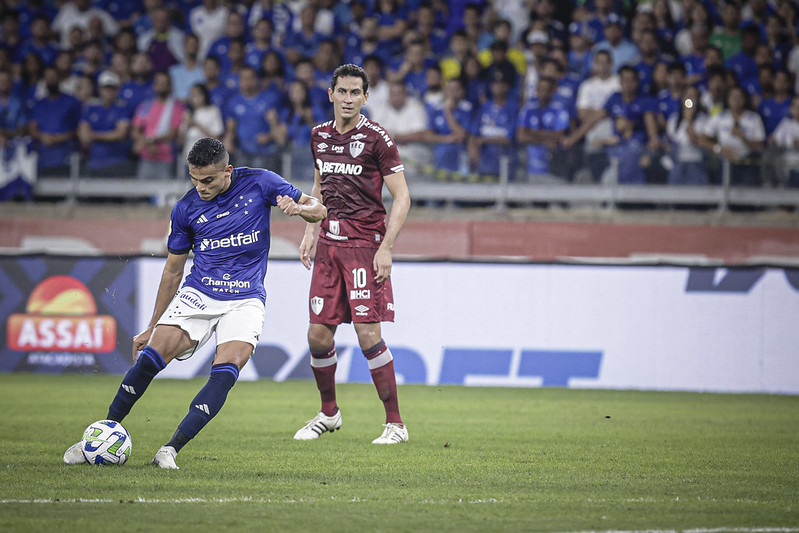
224, 219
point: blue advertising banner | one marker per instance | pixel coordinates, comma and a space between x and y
66, 314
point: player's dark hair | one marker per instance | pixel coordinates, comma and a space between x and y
206, 152
350, 71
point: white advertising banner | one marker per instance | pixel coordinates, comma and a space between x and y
532, 325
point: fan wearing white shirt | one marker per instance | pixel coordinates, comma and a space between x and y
737, 134
683, 130
786, 136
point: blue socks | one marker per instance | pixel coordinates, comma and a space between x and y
206, 404
135, 382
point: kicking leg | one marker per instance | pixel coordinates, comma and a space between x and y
230, 359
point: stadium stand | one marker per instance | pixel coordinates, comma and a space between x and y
711, 122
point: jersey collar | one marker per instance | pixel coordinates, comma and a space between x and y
232, 182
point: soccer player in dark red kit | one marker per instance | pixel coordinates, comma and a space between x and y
352, 266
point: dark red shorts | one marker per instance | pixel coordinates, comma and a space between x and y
343, 288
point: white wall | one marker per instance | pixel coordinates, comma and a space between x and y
527, 325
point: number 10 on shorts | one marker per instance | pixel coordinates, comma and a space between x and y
359, 282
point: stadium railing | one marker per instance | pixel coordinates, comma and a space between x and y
432, 186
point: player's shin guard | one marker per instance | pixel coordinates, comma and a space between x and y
209, 400
323, 364
135, 382
381, 366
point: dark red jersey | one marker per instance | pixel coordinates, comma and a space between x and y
352, 166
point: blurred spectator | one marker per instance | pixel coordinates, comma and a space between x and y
299, 117
695, 16
10, 37
31, 76
208, 22
623, 51
304, 71
325, 61
715, 97
498, 62
91, 59
603, 10
737, 134
434, 86
235, 30
201, 118
363, 41
683, 130
650, 55
777, 107
303, 41
392, 21
410, 70
743, 63
125, 43
786, 136
670, 100
54, 124
144, 22
233, 63
67, 78
542, 16
104, 131
249, 125
378, 87
13, 116
538, 43
450, 123
695, 61
429, 31
164, 43
39, 43
405, 117
260, 44
776, 40
541, 127
592, 95
155, 130
496, 129
140, 86
220, 92
279, 13
273, 74
123, 11
502, 33
188, 72
472, 25
566, 87
87, 89
120, 65
452, 63
665, 26
77, 14
580, 56
475, 83
728, 37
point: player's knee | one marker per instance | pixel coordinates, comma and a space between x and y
319, 337
368, 338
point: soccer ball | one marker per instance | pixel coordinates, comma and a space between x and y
106, 442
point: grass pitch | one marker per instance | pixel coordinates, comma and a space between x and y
479, 459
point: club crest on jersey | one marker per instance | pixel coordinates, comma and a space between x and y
333, 227
356, 147
317, 304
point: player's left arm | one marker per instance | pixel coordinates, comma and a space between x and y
398, 188
308, 208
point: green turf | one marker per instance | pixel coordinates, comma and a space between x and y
479, 459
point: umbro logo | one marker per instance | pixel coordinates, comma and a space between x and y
129, 389
321, 147
202, 219
361, 310
203, 407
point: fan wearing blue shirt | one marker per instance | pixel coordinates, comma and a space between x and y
743, 63
54, 124
140, 86
669, 100
247, 126
776, 108
541, 127
39, 42
496, 130
224, 219
104, 130
451, 123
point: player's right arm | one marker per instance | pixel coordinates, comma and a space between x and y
311, 228
167, 288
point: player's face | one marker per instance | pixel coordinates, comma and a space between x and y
348, 97
210, 181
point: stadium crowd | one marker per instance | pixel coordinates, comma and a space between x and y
665, 89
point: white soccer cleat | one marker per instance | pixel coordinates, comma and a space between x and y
318, 425
393, 434
74, 454
165, 458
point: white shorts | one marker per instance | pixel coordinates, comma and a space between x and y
201, 316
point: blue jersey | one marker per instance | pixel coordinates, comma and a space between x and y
496, 121
773, 112
633, 111
448, 155
668, 104
229, 234
249, 112
103, 119
537, 118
